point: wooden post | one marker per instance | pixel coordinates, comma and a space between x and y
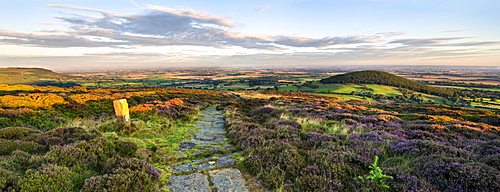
121, 111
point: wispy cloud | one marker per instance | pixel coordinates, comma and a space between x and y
427, 41
134, 3
263, 8
161, 26
443, 42
455, 31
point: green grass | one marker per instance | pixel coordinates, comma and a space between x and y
384, 90
348, 88
239, 84
488, 104
306, 79
288, 88
434, 98
167, 140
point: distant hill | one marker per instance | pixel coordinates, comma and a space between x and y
36, 76
384, 78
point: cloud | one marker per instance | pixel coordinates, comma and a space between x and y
327, 41
192, 14
135, 37
426, 41
161, 26
455, 31
81, 8
128, 54
134, 3
443, 42
484, 43
263, 8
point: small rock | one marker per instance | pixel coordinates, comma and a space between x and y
218, 124
198, 152
212, 130
225, 155
187, 145
213, 149
204, 137
203, 124
214, 118
225, 161
204, 166
186, 167
201, 160
229, 147
208, 138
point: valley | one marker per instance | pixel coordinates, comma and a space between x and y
273, 130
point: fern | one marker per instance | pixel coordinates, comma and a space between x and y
376, 174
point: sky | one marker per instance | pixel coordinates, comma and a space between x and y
67, 35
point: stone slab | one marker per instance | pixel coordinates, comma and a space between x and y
218, 124
225, 155
213, 118
208, 138
212, 130
229, 147
225, 161
185, 167
214, 149
187, 145
189, 183
228, 180
203, 124
202, 167
202, 160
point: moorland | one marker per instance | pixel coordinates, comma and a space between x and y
296, 129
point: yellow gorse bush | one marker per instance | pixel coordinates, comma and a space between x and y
83, 98
33, 100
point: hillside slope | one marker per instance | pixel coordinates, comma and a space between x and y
29, 75
384, 78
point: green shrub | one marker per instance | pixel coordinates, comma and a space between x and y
48, 178
8, 180
15, 132
122, 180
8, 146
73, 134
126, 149
21, 161
39, 120
92, 153
62, 136
124, 174
67, 155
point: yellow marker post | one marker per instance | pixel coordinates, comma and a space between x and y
121, 111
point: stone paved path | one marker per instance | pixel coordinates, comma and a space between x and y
212, 157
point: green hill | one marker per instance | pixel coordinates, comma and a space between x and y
384, 78
30, 76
